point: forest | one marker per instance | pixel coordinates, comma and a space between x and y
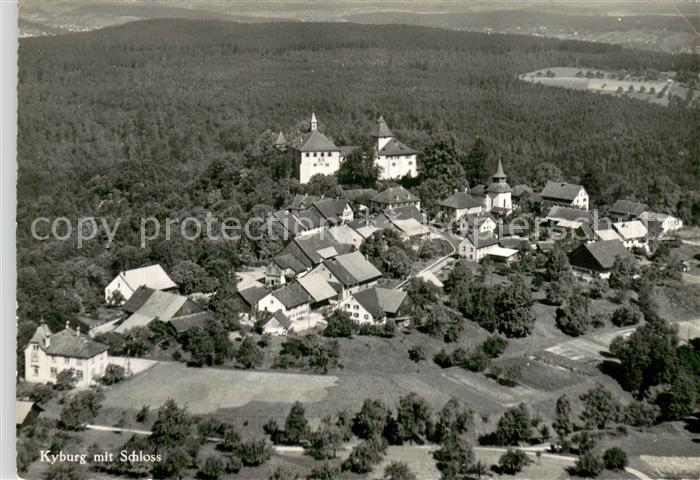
174, 118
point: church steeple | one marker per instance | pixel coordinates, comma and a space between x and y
314, 123
499, 175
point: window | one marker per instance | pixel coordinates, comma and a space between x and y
356, 315
307, 154
79, 374
35, 371
35, 347
54, 372
356, 307
347, 306
66, 360
366, 316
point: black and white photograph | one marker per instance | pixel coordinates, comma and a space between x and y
354, 239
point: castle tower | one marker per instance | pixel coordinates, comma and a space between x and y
382, 134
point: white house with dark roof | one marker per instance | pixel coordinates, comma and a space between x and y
277, 324
460, 204
395, 197
47, 354
666, 223
394, 158
282, 269
626, 210
633, 233
476, 247
127, 282
565, 195
349, 273
292, 300
374, 305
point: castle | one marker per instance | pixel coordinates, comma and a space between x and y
319, 155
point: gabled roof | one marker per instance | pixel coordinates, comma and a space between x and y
289, 261
163, 305
280, 318
252, 295
68, 343
314, 141
606, 234
291, 295
394, 195
481, 240
655, 216
411, 227
186, 322
352, 268
380, 301
331, 208
628, 207
363, 227
152, 276
136, 301
381, 129
479, 190
317, 287
569, 214
311, 244
560, 191
301, 202
599, 256
394, 147
405, 212
631, 230
309, 218
460, 200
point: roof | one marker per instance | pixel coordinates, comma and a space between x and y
316, 285
627, 207
380, 301
22, 409
300, 202
289, 261
163, 305
311, 244
280, 140
381, 129
252, 295
411, 226
569, 214
364, 228
503, 252
655, 217
499, 187
599, 255
137, 299
561, 191
631, 230
314, 141
394, 195
405, 212
460, 200
291, 295
152, 276
281, 318
394, 147
186, 322
352, 268
477, 220
331, 208
309, 218
481, 240
606, 234
68, 343
499, 171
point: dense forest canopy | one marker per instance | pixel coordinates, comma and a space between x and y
175, 117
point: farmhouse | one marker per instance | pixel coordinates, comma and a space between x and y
310, 250
394, 158
395, 197
569, 218
282, 269
147, 305
459, 204
127, 282
277, 324
48, 354
246, 301
375, 305
333, 211
666, 223
623, 210
292, 300
633, 234
565, 195
597, 258
320, 290
352, 272
475, 247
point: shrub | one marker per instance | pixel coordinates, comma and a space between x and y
365, 455
443, 359
326, 471
494, 346
641, 414
589, 465
513, 461
113, 374
625, 317
254, 452
212, 469
416, 353
615, 458
233, 463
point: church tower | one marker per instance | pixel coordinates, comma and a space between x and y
314, 123
499, 193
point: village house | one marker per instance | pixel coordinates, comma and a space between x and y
282, 269
292, 300
597, 258
277, 324
395, 197
246, 300
665, 222
565, 195
182, 324
127, 282
321, 291
633, 233
394, 158
147, 305
333, 211
475, 247
352, 272
375, 305
459, 204
568, 218
623, 210
312, 249
482, 223
47, 354
407, 228
503, 254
